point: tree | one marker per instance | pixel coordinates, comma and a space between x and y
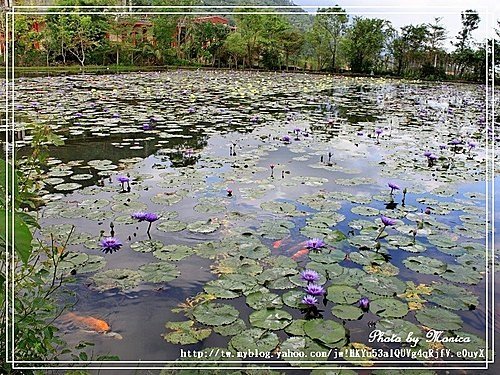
437, 35
291, 41
463, 54
363, 43
409, 48
236, 47
329, 26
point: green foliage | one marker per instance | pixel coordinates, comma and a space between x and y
364, 42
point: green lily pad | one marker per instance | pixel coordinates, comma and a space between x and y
439, 319
231, 329
389, 308
425, 265
215, 314
275, 229
460, 274
184, 333
342, 294
272, 319
383, 286
146, 246
160, 272
255, 339
284, 208
296, 328
452, 297
329, 332
171, 226
293, 298
347, 312
201, 226
399, 328
173, 252
123, 279
260, 300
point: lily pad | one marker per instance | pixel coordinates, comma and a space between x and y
160, 272
347, 312
425, 265
439, 319
201, 226
329, 332
272, 319
255, 339
184, 333
215, 314
342, 294
389, 308
123, 279
264, 300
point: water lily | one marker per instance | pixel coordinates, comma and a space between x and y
315, 243
124, 179
146, 216
309, 300
388, 222
286, 139
427, 154
229, 192
315, 290
364, 303
309, 276
393, 186
110, 244
431, 159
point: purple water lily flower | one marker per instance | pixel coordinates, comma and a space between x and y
364, 303
286, 139
393, 186
110, 244
427, 154
151, 217
191, 110
229, 192
387, 221
309, 300
315, 243
123, 179
378, 131
315, 290
433, 157
296, 130
442, 146
455, 142
141, 216
471, 145
309, 276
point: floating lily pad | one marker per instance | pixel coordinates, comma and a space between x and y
208, 226
184, 333
452, 297
123, 279
147, 246
426, 265
215, 314
275, 229
296, 328
389, 308
264, 300
293, 298
255, 339
440, 319
343, 294
272, 319
68, 186
347, 312
160, 272
171, 226
173, 252
329, 332
460, 274
232, 329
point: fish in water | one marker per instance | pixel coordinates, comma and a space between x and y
89, 323
300, 254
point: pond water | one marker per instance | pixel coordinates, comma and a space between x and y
243, 168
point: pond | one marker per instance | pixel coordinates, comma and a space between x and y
366, 194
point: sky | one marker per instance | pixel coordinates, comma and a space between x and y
421, 11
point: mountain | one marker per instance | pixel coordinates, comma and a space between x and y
302, 21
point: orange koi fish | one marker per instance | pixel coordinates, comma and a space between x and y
300, 254
88, 322
277, 244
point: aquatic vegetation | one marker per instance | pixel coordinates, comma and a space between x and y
282, 262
